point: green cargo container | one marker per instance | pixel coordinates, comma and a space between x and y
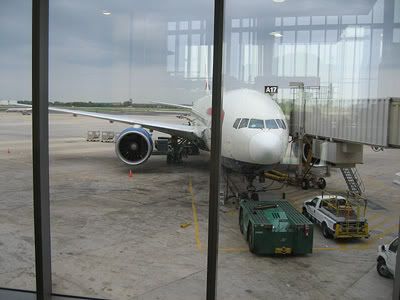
275, 227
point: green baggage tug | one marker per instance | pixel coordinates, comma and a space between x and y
275, 227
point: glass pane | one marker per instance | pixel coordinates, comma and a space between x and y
303, 21
336, 66
129, 190
17, 250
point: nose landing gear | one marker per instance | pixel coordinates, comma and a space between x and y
252, 192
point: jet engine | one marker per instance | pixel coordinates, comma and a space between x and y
134, 146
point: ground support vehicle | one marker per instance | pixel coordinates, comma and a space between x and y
275, 227
339, 217
386, 260
308, 180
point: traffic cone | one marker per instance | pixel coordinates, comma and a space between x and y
130, 173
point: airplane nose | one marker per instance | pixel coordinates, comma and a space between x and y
266, 148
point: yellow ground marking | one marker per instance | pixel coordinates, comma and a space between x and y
185, 225
195, 220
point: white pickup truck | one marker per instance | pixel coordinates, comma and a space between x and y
336, 216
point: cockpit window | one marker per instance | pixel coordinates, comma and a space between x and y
271, 124
244, 123
281, 123
235, 125
256, 123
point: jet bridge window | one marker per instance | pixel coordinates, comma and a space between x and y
244, 123
235, 125
271, 124
281, 123
256, 123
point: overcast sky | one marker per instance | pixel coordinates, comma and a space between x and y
93, 55
90, 51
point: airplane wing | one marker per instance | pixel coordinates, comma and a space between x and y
181, 130
173, 105
192, 110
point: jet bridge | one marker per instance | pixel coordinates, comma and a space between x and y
373, 122
336, 130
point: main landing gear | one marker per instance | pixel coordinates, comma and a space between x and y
176, 148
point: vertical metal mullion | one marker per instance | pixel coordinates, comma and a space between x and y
40, 146
216, 132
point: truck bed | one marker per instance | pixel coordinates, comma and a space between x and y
341, 215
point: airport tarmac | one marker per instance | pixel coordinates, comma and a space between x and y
145, 236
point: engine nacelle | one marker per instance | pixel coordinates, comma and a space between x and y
134, 146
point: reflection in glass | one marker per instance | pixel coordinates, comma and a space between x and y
397, 11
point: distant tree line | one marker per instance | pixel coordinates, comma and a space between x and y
101, 104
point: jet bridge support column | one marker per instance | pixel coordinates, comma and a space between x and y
301, 123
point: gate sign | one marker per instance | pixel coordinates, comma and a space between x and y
271, 89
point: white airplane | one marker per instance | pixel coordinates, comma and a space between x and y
254, 132
24, 111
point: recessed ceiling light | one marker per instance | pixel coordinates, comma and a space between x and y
279, 1
106, 13
276, 34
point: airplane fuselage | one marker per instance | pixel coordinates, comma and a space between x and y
254, 129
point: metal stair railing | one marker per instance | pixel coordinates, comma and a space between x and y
353, 180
